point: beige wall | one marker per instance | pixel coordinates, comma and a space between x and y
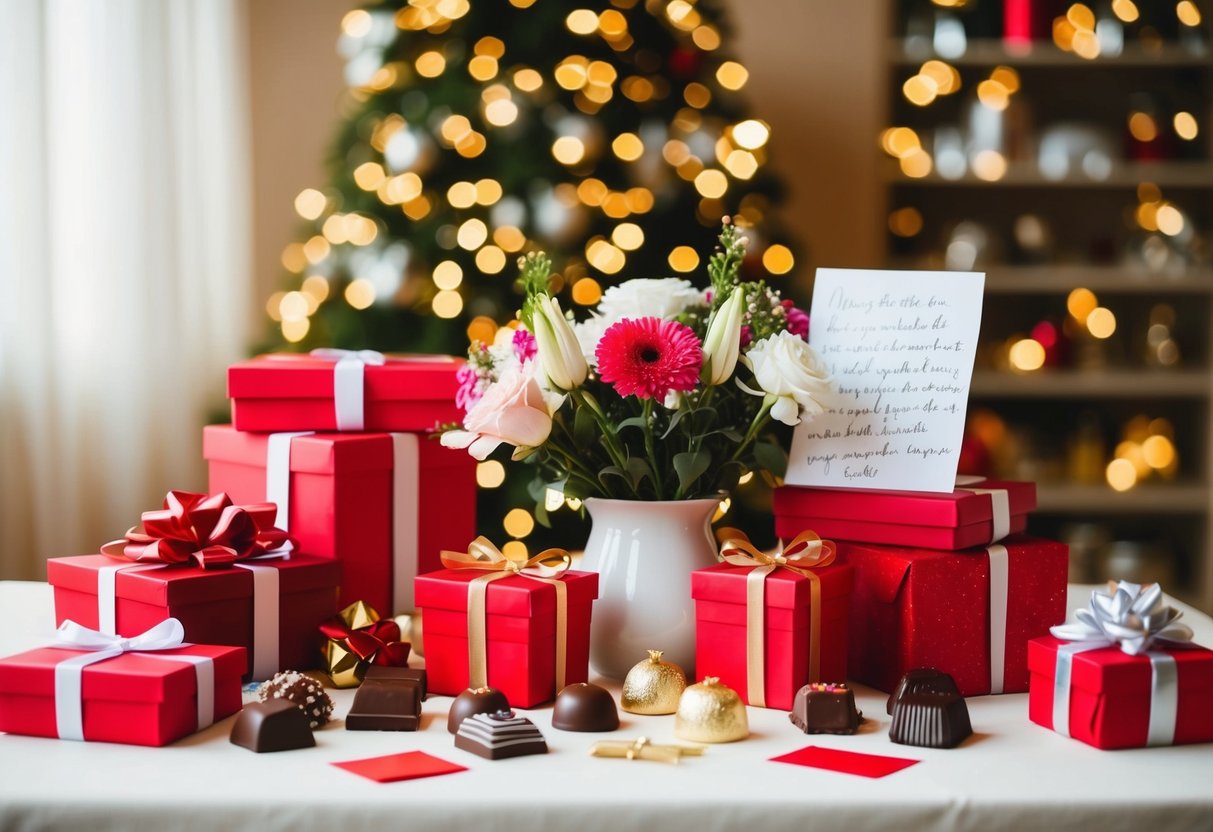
815, 76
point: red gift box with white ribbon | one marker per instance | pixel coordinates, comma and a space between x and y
383, 504
976, 512
149, 690
970, 614
343, 390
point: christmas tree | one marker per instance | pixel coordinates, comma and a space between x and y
614, 138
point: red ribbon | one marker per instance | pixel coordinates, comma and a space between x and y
208, 530
377, 643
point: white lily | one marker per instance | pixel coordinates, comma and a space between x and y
559, 350
722, 344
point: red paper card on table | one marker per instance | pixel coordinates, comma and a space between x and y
409, 765
216, 606
721, 634
288, 392
846, 762
520, 630
959, 519
1110, 701
383, 504
134, 698
954, 611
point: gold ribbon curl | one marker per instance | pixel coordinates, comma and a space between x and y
804, 553
484, 556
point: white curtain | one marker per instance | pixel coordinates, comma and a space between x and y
124, 259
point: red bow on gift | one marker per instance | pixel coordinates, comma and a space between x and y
377, 641
211, 531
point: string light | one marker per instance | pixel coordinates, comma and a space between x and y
447, 275
732, 75
490, 473
310, 203
490, 260
528, 80
447, 304
518, 522
683, 259
1185, 126
628, 236
628, 147
778, 259
360, 293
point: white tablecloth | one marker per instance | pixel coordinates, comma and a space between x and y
1012, 775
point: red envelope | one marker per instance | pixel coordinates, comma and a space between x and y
410, 765
845, 762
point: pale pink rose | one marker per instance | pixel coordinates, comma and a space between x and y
512, 410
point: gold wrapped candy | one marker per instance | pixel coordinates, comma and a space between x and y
711, 712
357, 638
653, 686
644, 749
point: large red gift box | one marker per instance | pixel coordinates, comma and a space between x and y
915, 608
959, 519
296, 392
721, 633
383, 504
216, 606
133, 698
1110, 693
520, 628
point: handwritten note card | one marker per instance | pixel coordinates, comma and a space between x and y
900, 348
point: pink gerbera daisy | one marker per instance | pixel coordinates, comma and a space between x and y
649, 357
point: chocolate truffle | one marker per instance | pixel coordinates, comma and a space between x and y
585, 707
276, 725
500, 735
475, 701
922, 680
930, 720
385, 705
377, 672
306, 692
825, 709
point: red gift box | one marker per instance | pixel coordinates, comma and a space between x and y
520, 628
216, 606
133, 698
915, 608
721, 633
289, 391
1110, 703
383, 504
959, 519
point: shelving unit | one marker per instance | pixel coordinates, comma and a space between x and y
1176, 514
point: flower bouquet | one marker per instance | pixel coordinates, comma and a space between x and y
664, 392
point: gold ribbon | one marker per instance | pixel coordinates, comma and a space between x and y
544, 567
803, 553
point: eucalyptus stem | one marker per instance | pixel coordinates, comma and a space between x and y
649, 447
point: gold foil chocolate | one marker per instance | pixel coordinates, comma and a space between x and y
644, 749
711, 712
653, 686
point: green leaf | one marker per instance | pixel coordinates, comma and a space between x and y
690, 467
541, 515
576, 489
731, 435
727, 475
633, 422
536, 489
638, 471
583, 427
771, 457
702, 419
674, 420
605, 475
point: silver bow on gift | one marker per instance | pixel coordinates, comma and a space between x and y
1129, 615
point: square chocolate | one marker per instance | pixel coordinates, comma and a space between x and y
378, 672
825, 709
385, 705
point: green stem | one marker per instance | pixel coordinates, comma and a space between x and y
649, 447
761, 418
608, 438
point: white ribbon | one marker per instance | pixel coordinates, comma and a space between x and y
69, 673
107, 592
278, 475
406, 484
348, 377
264, 658
999, 589
1000, 505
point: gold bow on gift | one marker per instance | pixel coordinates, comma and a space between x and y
802, 555
484, 556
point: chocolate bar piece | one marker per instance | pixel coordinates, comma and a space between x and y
585, 707
825, 709
385, 705
378, 672
475, 701
500, 735
930, 720
276, 725
922, 680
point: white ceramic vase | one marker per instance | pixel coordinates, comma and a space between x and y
644, 553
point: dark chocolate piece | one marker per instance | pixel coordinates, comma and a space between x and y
475, 701
276, 725
930, 720
922, 680
305, 691
413, 674
585, 707
825, 709
385, 705
500, 735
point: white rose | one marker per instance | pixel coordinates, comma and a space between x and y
662, 297
588, 332
786, 367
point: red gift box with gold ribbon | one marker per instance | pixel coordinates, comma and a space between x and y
764, 629
521, 626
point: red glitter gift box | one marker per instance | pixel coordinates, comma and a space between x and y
384, 504
520, 633
954, 611
290, 391
958, 519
